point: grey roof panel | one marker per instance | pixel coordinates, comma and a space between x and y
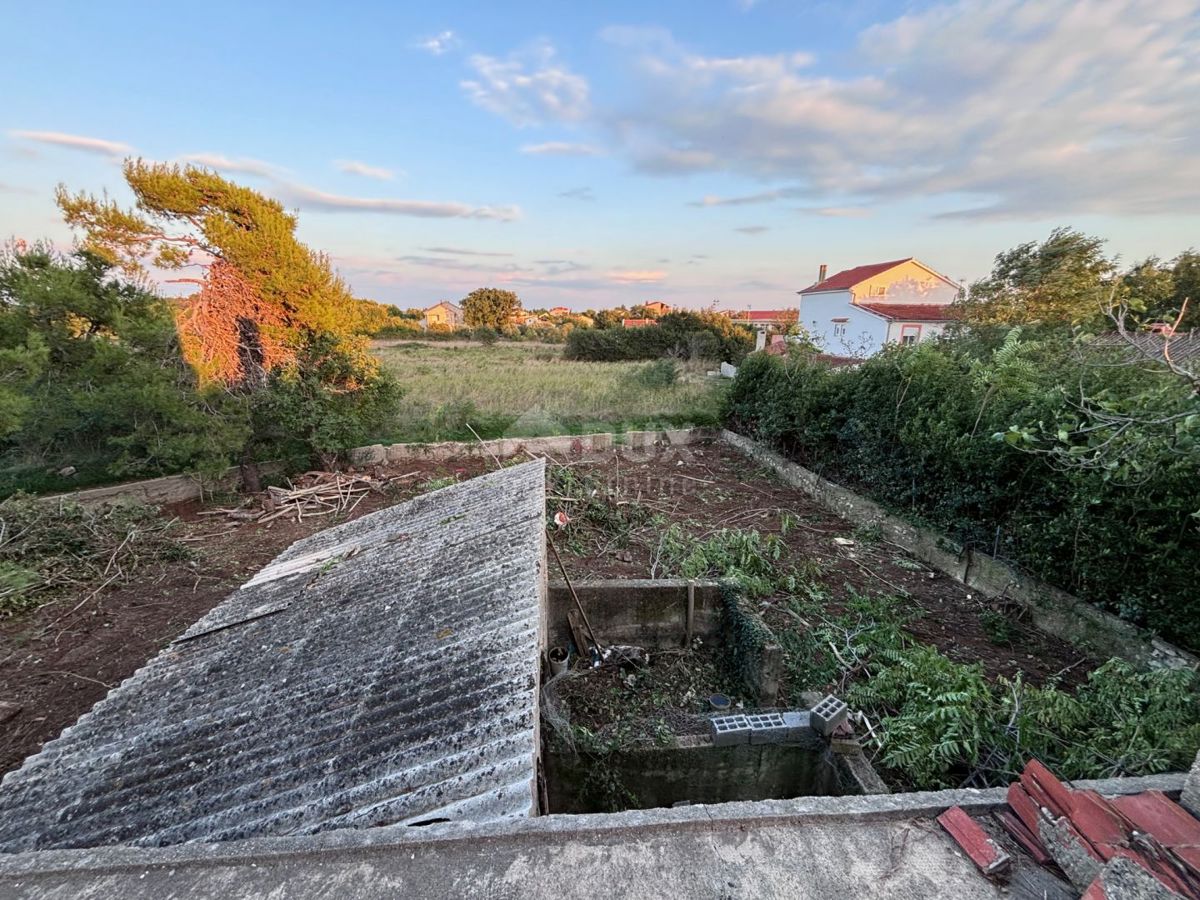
382, 671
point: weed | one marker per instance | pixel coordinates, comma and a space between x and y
998, 627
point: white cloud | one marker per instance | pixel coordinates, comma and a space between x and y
637, 276
1004, 107
528, 88
354, 167
462, 251
753, 229
75, 142
243, 166
312, 198
836, 212
561, 148
442, 42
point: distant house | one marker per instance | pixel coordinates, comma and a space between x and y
443, 314
656, 307
559, 311
638, 323
859, 310
520, 317
762, 319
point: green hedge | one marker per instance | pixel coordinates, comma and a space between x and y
918, 429
682, 334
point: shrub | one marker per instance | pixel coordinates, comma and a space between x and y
684, 335
661, 373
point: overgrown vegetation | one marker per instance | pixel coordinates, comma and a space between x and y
987, 438
682, 335
522, 391
53, 549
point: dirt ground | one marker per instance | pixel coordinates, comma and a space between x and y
57, 661
710, 487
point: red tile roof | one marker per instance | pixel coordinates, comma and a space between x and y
913, 312
638, 323
848, 278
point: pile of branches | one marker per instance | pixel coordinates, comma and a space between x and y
50, 550
309, 495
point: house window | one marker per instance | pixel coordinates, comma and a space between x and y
879, 291
839, 328
910, 334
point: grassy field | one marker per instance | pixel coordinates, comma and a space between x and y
527, 390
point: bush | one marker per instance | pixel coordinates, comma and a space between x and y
683, 335
661, 373
1106, 514
327, 402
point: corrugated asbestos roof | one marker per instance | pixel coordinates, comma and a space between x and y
383, 671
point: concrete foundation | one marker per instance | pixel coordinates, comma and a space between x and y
700, 773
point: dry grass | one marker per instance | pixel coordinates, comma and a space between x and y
526, 390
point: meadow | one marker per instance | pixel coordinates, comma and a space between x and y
526, 390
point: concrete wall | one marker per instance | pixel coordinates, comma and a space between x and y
378, 454
178, 488
643, 612
701, 773
1051, 610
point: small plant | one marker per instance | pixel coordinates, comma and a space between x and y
662, 373
742, 556
998, 627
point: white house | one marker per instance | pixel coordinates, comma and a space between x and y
857, 311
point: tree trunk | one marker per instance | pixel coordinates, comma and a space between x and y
251, 477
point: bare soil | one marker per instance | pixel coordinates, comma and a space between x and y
59, 660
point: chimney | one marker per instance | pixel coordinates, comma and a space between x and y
821, 273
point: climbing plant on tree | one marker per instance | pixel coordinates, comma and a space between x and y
263, 299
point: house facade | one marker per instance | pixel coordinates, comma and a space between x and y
858, 311
444, 315
559, 311
656, 308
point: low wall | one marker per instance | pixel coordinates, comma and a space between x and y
178, 488
643, 612
653, 777
379, 454
1051, 610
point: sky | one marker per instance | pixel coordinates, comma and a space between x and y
589, 155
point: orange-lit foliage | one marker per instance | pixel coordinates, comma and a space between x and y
263, 294
226, 330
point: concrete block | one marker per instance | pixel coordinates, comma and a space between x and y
1190, 798
767, 728
799, 729
727, 731
679, 436
373, 455
828, 715
602, 441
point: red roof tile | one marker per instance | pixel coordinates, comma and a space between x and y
848, 278
913, 312
760, 315
973, 840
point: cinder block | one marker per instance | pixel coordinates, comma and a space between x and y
800, 730
728, 731
375, 454
828, 715
767, 728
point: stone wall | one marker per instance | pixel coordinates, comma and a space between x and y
1051, 610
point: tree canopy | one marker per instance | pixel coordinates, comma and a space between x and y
1064, 280
489, 307
262, 293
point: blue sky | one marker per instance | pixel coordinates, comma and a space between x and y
610, 153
